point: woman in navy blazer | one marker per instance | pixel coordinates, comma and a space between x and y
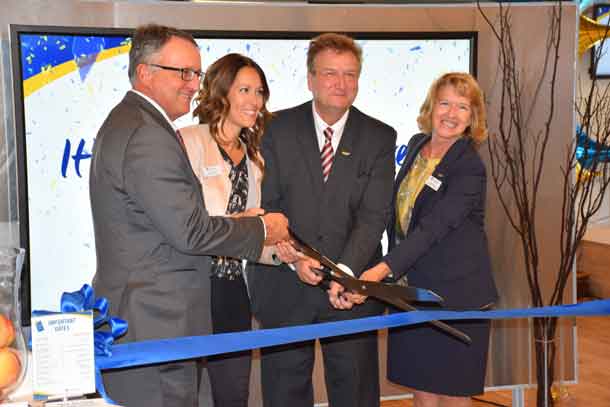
437, 240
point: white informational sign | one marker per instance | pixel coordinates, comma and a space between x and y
62, 353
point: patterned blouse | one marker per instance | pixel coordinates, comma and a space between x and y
226, 267
409, 189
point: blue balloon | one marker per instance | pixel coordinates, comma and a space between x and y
589, 152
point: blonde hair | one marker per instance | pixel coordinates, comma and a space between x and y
466, 86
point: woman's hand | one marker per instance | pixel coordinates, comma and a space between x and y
249, 213
306, 269
376, 274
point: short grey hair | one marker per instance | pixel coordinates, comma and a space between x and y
147, 41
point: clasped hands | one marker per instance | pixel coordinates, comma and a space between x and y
276, 224
308, 269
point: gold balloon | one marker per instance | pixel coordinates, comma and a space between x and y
583, 174
590, 33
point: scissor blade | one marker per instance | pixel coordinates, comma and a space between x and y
410, 293
390, 293
383, 290
405, 306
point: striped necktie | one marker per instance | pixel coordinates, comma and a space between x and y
327, 153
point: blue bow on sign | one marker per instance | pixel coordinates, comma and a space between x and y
84, 300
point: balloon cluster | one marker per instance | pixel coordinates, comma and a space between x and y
588, 154
588, 151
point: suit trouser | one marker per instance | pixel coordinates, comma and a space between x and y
351, 372
164, 385
351, 365
230, 373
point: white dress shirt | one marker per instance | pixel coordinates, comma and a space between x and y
321, 125
156, 105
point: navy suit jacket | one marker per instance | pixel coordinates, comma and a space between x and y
445, 248
344, 218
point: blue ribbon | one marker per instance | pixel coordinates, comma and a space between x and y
166, 350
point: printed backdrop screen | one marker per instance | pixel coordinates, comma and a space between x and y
67, 80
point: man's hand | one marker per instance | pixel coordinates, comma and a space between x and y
337, 296
306, 270
276, 225
287, 253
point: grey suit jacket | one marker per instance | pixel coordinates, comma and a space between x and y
344, 218
153, 233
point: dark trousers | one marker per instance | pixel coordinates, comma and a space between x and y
230, 373
351, 372
164, 385
351, 365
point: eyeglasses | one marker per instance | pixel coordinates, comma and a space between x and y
187, 74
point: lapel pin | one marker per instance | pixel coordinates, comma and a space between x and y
433, 182
345, 153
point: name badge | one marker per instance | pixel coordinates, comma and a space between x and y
433, 182
212, 171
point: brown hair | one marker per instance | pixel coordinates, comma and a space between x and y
466, 86
147, 40
213, 105
337, 42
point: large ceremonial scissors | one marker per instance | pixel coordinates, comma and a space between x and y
397, 295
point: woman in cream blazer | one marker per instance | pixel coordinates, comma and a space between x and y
224, 154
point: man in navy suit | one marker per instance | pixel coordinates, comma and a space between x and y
329, 168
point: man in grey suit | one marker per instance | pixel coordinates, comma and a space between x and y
330, 170
153, 234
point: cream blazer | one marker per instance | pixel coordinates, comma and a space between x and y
213, 172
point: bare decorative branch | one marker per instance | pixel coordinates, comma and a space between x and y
518, 152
